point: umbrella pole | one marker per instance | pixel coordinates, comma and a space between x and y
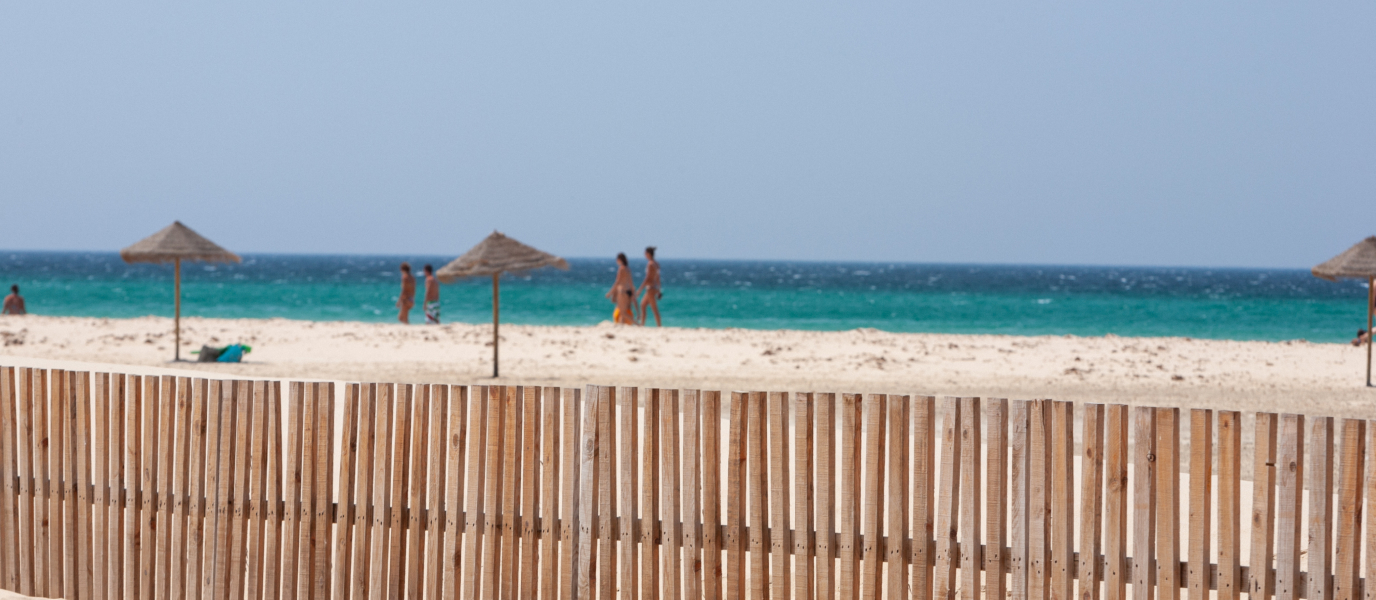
177, 320
1370, 305
496, 303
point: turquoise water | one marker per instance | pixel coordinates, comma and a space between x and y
1243, 304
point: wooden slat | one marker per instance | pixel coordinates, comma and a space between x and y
606, 493
476, 489
217, 557
1091, 499
948, 502
395, 550
346, 519
148, 486
670, 495
272, 547
531, 418
629, 428
1019, 421
1201, 491
1263, 519
133, 441
971, 416
692, 494
456, 467
757, 496
569, 477
305, 508
734, 540
1229, 504
257, 495
874, 412
826, 494
415, 501
240, 491
371, 429
550, 492
180, 499
24, 429
1290, 481
162, 533
60, 564
82, 508
9, 487
1062, 444
1348, 566
924, 434
39, 489
1369, 483
649, 499
780, 571
324, 501
1116, 503
804, 480
298, 457
507, 575
848, 486
996, 498
1319, 476
712, 574
194, 392
1143, 502
438, 440
1168, 503
115, 548
492, 484
581, 566
1039, 494
100, 481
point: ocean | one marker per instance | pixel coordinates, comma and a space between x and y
1239, 304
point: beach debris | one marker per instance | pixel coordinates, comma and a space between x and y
14, 338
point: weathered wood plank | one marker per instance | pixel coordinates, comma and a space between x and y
569, 475
1091, 499
1290, 481
162, 529
508, 576
670, 495
1019, 417
216, 578
1062, 446
757, 497
629, 429
9, 486
607, 494
778, 547
692, 493
304, 555
294, 471
476, 486
1168, 503
456, 466
60, 564
79, 471
948, 501
734, 540
1264, 475
530, 490
346, 518
239, 493
873, 411
971, 417
100, 481
550, 493
272, 546
39, 487
1116, 504
402, 429
25, 441
897, 553
133, 442
421, 419
804, 480
117, 539
1348, 566
996, 497
1039, 468
435, 506
148, 487
848, 518
648, 584
183, 414
1143, 502
1201, 494
1369, 483
588, 447
711, 495
371, 438
1229, 504
1319, 476
827, 552
257, 495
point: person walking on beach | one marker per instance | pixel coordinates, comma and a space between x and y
650, 287
432, 297
624, 284
407, 301
625, 314
14, 303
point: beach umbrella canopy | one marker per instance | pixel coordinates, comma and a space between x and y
173, 244
1357, 262
493, 256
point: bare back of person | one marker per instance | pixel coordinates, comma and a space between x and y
623, 284
407, 300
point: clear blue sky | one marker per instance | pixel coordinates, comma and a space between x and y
1146, 133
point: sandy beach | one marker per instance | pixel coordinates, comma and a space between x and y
1292, 376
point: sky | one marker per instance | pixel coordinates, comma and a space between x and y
1173, 133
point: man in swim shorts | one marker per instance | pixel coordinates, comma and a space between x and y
650, 287
432, 297
407, 300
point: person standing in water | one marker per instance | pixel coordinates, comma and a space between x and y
650, 287
623, 284
407, 301
14, 303
432, 297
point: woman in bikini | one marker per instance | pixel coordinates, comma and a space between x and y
650, 287
623, 284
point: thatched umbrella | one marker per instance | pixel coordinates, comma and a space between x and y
493, 256
173, 244
1357, 262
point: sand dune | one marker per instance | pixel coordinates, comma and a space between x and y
1285, 376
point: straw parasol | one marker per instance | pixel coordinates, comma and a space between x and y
173, 244
493, 256
1357, 262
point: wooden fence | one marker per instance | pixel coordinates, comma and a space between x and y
121, 486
